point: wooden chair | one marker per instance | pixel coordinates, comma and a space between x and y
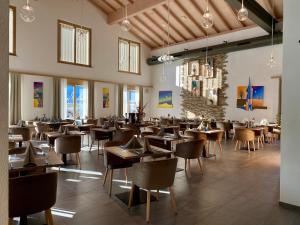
24, 131
190, 150
259, 136
236, 125
69, 144
217, 139
123, 135
154, 175
32, 194
112, 162
244, 135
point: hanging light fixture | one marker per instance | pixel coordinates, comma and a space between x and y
126, 25
166, 57
27, 13
272, 62
243, 13
207, 18
207, 65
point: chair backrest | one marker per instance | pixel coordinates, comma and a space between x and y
155, 174
196, 135
32, 194
244, 134
237, 125
189, 149
92, 121
68, 144
24, 131
123, 136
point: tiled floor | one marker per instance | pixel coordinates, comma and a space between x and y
236, 189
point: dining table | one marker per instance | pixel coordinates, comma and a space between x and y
166, 142
13, 138
139, 195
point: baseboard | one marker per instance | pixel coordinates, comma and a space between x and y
289, 206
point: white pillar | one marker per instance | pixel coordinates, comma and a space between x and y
290, 144
3, 111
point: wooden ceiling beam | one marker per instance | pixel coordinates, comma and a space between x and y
171, 26
162, 29
149, 44
179, 4
188, 29
225, 21
109, 5
139, 6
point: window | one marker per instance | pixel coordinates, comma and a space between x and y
76, 99
74, 44
12, 30
129, 56
130, 99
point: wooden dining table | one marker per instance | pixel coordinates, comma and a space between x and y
139, 196
13, 138
166, 142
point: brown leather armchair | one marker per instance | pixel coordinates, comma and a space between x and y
190, 150
69, 144
244, 135
154, 175
112, 162
32, 194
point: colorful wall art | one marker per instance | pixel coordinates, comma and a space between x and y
250, 97
165, 99
38, 94
105, 98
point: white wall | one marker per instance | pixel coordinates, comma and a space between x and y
37, 43
290, 154
28, 112
240, 66
98, 97
3, 111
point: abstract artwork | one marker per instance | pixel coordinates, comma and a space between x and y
165, 99
105, 98
250, 97
194, 68
38, 94
196, 87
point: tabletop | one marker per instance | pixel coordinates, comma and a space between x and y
164, 138
100, 129
42, 161
205, 132
132, 153
55, 134
15, 137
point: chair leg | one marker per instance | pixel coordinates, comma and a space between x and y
253, 145
200, 165
126, 175
110, 181
148, 206
248, 144
78, 160
98, 148
91, 145
220, 146
236, 145
189, 165
105, 176
173, 201
49, 217
257, 143
185, 164
131, 195
10, 221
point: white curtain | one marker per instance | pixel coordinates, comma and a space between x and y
134, 58
123, 55
125, 101
11, 30
63, 102
85, 99
82, 46
67, 42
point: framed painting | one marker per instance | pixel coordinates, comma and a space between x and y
38, 93
165, 99
105, 98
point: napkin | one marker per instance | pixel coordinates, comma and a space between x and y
161, 132
60, 129
66, 131
133, 143
29, 157
147, 148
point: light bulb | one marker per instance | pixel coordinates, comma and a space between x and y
126, 25
242, 14
207, 19
27, 13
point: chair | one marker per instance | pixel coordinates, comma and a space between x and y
24, 131
237, 125
41, 129
217, 139
244, 135
123, 135
224, 126
259, 135
154, 175
112, 162
69, 144
190, 150
32, 194
91, 121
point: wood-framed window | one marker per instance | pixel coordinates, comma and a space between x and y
12, 30
129, 56
74, 44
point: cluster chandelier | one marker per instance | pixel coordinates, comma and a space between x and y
27, 13
207, 18
126, 25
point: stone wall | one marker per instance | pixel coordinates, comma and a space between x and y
198, 104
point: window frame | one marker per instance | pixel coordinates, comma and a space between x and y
74, 83
59, 43
14, 53
139, 62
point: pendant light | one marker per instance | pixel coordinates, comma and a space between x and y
166, 57
207, 18
126, 25
272, 62
207, 65
243, 13
27, 13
